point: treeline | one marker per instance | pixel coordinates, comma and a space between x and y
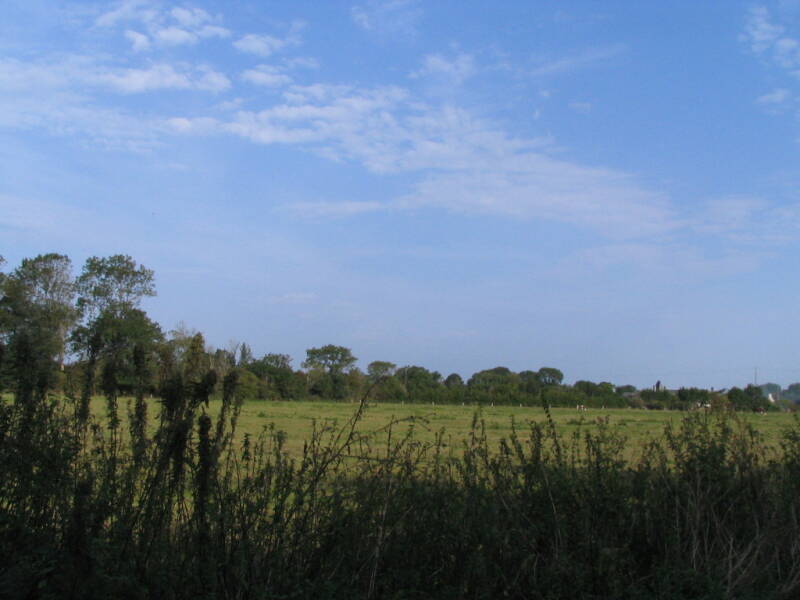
67, 326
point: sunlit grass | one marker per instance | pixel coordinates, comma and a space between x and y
298, 419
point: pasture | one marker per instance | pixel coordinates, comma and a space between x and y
454, 422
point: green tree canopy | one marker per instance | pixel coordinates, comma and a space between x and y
330, 359
378, 369
114, 282
550, 376
36, 311
454, 381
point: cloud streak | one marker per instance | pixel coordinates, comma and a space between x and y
388, 17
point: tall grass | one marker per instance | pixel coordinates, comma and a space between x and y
174, 508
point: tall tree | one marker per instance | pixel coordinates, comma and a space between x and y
110, 291
36, 311
330, 359
281, 381
378, 369
420, 384
245, 355
114, 282
328, 367
454, 381
550, 376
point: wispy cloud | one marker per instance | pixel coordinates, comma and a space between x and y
676, 262
465, 164
388, 17
454, 159
778, 46
574, 62
179, 26
326, 210
260, 45
162, 76
267, 76
129, 10
452, 71
775, 97
264, 45
749, 220
760, 32
67, 72
139, 41
772, 40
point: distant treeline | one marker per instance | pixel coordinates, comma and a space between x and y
66, 326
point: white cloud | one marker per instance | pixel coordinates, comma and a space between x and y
181, 25
787, 53
777, 46
142, 80
541, 187
72, 73
768, 38
265, 45
233, 104
162, 76
200, 125
175, 36
17, 76
267, 76
128, 10
454, 71
211, 81
578, 61
467, 165
777, 96
139, 41
393, 17
260, 45
190, 17
760, 32
302, 62
208, 31
750, 220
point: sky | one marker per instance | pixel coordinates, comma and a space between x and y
611, 189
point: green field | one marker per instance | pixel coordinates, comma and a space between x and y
299, 418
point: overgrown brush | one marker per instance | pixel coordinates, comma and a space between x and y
89, 510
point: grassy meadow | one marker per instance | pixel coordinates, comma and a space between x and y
454, 422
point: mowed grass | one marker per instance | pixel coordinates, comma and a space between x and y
453, 423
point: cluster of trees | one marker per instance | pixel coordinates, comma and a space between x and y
47, 314
95, 319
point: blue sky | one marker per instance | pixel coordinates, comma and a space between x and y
609, 188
